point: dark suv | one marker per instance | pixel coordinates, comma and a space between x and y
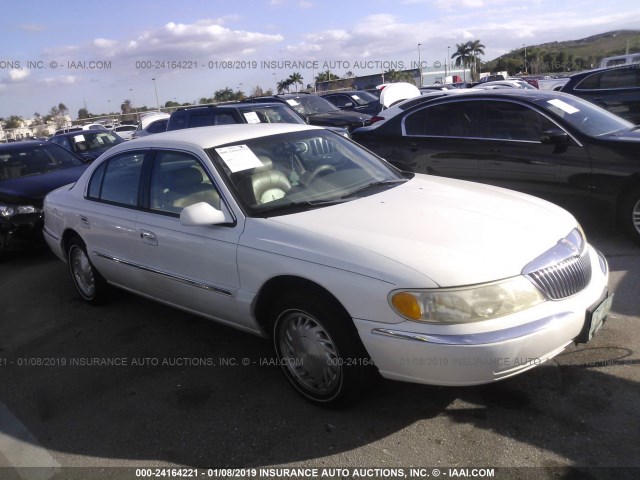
617, 89
317, 110
225, 114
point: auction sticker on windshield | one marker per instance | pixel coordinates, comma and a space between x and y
238, 158
251, 117
565, 107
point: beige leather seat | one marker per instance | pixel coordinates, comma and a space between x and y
185, 187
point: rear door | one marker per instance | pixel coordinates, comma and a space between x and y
108, 225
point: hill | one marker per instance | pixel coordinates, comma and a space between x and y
568, 56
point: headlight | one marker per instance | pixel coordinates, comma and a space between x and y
466, 304
8, 211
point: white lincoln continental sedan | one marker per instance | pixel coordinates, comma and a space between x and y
349, 265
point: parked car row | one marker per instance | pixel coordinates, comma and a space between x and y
341, 250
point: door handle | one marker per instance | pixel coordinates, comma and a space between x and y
149, 237
84, 221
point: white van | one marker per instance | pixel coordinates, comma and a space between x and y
620, 60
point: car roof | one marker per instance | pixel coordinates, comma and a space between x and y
213, 136
585, 73
11, 146
83, 132
232, 105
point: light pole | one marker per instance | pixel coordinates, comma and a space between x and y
525, 58
419, 65
448, 58
155, 87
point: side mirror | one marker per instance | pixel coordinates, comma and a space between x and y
201, 214
555, 136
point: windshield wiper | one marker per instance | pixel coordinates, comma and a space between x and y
381, 183
294, 207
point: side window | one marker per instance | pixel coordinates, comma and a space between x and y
177, 181
225, 119
158, 126
117, 180
512, 121
623, 78
455, 119
202, 120
592, 82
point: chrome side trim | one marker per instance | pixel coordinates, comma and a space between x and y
475, 338
186, 281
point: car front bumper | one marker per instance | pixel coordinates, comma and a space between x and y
20, 230
468, 355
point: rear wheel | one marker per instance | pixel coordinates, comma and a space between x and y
629, 215
88, 282
319, 349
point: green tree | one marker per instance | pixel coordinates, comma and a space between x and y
326, 76
295, 79
224, 95
83, 113
284, 85
13, 121
462, 56
475, 49
393, 76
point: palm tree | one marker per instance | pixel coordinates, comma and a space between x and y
295, 79
475, 48
462, 56
284, 85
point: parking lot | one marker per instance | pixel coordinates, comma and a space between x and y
134, 383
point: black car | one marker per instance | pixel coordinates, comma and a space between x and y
87, 144
616, 89
316, 110
28, 171
355, 100
549, 144
233, 113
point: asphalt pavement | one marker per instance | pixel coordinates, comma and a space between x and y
136, 384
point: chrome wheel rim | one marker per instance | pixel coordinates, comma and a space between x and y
82, 272
308, 353
635, 216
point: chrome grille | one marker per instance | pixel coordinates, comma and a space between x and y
565, 278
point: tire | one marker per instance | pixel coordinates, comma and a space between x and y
319, 349
90, 285
629, 214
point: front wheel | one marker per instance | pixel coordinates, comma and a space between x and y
88, 282
629, 215
319, 349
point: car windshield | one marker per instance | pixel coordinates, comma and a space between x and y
270, 114
27, 160
584, 116
363, 98
311, 104
298, 171
83, 142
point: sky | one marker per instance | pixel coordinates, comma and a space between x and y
98, 54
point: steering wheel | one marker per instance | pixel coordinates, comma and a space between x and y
322, 169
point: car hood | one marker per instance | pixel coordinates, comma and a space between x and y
339, 118
452, 232
32, 189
